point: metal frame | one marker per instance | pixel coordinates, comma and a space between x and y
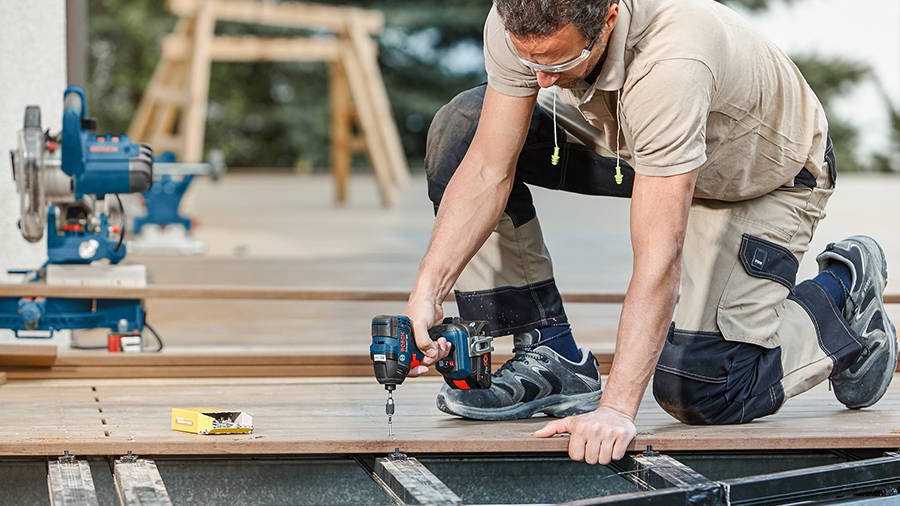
664, 479
671, 482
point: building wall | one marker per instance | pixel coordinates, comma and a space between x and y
33, 59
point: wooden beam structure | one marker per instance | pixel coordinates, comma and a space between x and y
288, 14
138, 483
284, 364
263, 293
412, 482
241, 292
172, 113
70, 483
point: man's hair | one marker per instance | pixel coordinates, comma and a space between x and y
529, 18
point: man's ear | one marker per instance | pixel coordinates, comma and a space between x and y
612, 16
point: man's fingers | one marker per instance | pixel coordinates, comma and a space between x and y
620, 446
576, 447
552, 428
443, 347
606, 446
418, 371
592, 451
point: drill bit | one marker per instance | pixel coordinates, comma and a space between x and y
389, 409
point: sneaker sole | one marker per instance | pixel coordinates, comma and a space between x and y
890, 331
557, 405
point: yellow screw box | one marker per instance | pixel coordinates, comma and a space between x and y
211, 421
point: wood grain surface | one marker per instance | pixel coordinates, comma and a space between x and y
237, 362
243, 292
335, 415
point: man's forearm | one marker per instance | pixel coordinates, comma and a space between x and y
659, 214
646, 315
476, 195
470, 209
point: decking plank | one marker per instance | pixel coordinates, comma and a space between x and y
345, 415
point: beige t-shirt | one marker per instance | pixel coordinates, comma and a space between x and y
700, 88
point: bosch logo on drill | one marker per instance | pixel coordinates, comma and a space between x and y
404, 338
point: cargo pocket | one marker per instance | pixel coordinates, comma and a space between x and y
748, 309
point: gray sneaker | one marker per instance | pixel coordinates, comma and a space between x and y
535, 380
866, 380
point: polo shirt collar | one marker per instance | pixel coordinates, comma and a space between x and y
612, 73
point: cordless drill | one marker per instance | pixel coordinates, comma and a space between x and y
394, 353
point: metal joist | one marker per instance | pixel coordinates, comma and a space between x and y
138, 482
670, 482
70, 482
412, 483
666, 481
814, 483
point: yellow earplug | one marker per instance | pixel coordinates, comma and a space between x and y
619, 177
554, 158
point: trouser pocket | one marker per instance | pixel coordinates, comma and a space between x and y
761, 280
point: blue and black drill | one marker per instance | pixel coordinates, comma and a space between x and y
394, 353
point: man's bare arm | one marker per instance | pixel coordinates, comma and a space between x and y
470, 209
659, 213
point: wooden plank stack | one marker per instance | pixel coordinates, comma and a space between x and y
172, 113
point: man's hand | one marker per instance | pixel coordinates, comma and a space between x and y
596, 437
424, 315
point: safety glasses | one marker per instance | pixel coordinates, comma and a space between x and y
559, 67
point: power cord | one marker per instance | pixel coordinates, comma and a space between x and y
159, 340
122, 225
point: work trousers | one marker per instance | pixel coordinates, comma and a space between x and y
745, 336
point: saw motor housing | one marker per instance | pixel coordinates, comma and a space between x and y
63, 177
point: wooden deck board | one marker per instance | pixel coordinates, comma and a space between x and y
345, 415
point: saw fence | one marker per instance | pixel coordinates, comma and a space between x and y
172, 113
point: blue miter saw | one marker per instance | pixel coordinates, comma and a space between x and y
162, 229
63, 181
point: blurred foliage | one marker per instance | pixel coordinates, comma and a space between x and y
277, 114
832, 78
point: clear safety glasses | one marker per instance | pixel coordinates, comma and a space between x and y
559, 67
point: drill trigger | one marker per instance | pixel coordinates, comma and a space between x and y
414, 362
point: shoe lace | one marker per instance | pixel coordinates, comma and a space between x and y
522, 355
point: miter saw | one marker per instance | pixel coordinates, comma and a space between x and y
63, 181
159, 228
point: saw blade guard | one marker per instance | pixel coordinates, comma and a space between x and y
27, 162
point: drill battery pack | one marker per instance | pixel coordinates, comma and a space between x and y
468, 365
